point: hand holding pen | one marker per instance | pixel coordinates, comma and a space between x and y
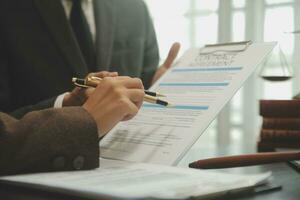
115, 99
78, 96
92, 81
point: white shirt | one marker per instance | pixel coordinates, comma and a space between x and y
88, 9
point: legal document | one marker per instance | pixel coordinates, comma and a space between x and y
198, 87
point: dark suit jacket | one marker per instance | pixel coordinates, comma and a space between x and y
49, 140
39, 54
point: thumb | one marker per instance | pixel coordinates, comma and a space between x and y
172, 55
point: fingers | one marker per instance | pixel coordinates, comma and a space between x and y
132, 110
88, 92
136, 96
131, 83
104, 74
124, 80
129, 91
172, 55
168, 62
132, 88
99, 74
113, 74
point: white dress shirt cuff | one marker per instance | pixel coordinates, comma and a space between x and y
59, 100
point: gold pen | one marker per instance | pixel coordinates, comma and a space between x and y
154, 94
92, 81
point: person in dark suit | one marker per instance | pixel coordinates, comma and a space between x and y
67, 138
43, 44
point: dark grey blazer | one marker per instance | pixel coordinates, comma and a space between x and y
39, 54
49, 140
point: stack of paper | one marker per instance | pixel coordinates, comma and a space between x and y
124, 180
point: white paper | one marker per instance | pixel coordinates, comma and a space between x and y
198, 88
136, 180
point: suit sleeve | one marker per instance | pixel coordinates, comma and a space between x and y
151, 52
46, 104
49, 140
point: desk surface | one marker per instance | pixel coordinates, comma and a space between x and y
207, 146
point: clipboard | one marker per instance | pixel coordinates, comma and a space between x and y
222, 54
230, 47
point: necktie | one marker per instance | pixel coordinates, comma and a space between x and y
83, 34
